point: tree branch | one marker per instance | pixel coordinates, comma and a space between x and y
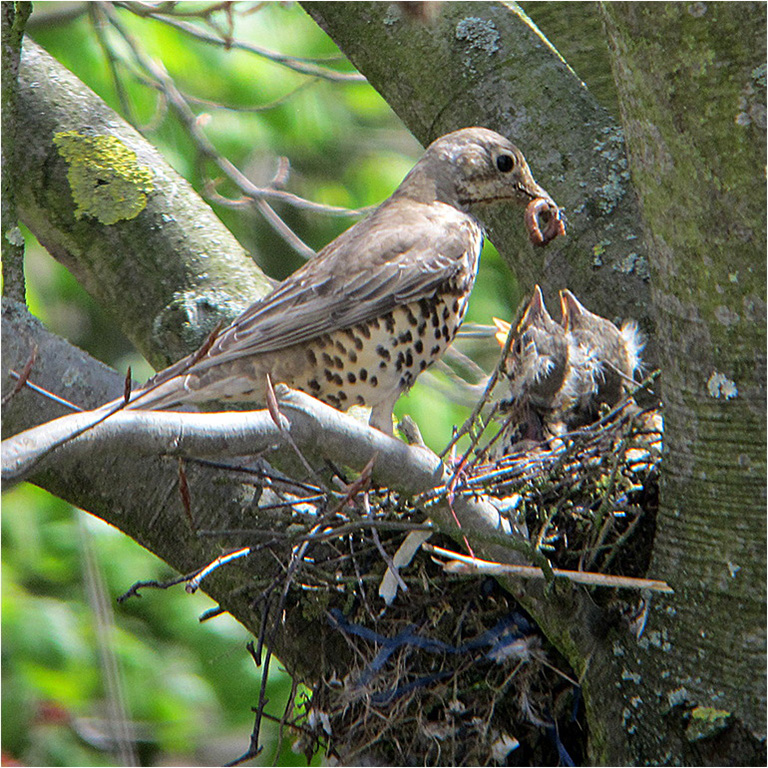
173, 252
695, 120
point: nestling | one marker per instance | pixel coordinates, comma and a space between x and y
609, 358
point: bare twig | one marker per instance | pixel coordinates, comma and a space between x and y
98, 21
470, 422
194, 584
41, 391
297, 64
180, 105
186, 498
460, 564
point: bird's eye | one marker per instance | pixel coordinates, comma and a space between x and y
505, 163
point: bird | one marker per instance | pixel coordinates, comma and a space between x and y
537, 365
607, 358
537, 369
379, 304
561, 373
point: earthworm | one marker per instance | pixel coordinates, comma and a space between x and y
553, 226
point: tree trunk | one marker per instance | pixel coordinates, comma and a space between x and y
691, 79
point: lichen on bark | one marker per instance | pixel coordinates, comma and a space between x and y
104, 175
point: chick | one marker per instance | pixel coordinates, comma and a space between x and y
537, 368
605, 359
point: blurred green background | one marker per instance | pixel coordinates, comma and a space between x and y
188, 687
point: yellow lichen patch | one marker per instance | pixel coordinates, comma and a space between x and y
706, 722
106, 180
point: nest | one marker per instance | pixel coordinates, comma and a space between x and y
454, 671
461, 677
588, 497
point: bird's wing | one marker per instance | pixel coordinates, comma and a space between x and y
401, 254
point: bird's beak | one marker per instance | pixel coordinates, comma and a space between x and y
502, 330
571, 308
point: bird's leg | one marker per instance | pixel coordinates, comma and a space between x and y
381, 416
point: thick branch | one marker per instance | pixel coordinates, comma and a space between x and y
165, 266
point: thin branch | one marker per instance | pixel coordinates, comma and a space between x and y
179, 103
98, 20
310, 423
461, 564
297, 64
470, 422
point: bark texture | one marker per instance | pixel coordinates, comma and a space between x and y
134, 233
691, 81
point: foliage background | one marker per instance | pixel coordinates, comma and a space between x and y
189, 686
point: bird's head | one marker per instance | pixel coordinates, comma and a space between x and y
474, 166
538, 356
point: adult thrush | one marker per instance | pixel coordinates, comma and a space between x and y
380, 303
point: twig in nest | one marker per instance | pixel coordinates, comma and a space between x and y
391, 567
469, 423
361, 484
186, 497
194, 584
282, 423
470, 565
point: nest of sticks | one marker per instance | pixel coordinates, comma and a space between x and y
453, 671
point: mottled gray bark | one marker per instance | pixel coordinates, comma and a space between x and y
691, 79
132, 230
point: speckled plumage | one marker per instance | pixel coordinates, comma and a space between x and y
375, 307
